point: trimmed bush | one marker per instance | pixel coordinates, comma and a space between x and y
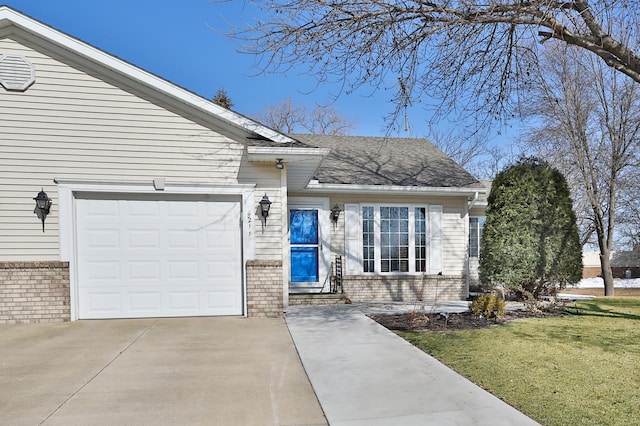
484, 305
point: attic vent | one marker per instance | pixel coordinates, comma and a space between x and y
16, 73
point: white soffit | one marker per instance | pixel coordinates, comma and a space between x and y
262, 154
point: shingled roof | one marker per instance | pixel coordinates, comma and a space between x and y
365, 160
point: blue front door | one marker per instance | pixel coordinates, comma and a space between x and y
304, 243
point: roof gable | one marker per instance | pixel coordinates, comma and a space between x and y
358, 160
13, 23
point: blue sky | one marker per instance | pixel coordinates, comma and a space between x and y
183, 42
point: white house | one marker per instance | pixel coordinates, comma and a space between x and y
156, 198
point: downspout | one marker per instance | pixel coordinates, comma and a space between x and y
472, 202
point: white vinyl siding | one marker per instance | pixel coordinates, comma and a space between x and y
435, 240
74, 125
454, 238
268, 239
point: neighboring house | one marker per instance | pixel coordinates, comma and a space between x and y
591, 264
156, 198
624, 264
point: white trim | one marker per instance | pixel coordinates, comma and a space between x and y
108, 63
284, 221
353, 239
434, 242
67, 189
266, 153
324, 236
322, 188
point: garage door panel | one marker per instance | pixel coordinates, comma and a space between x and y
105, 303
144, 270
183, 271
141, 208
181, 239
184, 302
143, 239
100, 271
219, 300
148, 258
146, 302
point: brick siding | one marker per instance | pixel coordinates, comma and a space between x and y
32, 292
360, 288
264, 288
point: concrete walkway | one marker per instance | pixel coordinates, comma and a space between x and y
363, 374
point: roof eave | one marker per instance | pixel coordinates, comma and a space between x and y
324, 188
288, 154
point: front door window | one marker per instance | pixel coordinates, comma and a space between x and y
305, 246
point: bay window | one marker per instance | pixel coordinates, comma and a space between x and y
393, 239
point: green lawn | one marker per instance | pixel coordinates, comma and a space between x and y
567, 370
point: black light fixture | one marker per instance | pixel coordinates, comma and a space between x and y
279, 164
43, 206
335, 214
265, 205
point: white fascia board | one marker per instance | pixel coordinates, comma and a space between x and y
324, 188
269, 154
9, 17
147, 187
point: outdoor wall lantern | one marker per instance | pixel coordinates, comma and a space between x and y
335, 214
279, 164
43, 206
265, 205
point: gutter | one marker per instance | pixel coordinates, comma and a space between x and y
324, 188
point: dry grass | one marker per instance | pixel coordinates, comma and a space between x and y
573, 369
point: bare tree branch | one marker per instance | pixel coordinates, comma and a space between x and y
589, 127
289, 118
472, 55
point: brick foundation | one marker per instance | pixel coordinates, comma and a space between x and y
33, 292
264, 288
360, 288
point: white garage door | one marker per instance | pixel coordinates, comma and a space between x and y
145, 256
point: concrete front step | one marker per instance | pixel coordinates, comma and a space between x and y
318, 299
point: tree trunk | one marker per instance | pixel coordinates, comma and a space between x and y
607, 275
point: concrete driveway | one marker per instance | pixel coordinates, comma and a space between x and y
186, 371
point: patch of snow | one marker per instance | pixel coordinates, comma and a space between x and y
599, 283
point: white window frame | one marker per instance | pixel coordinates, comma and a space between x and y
432, 243
478, 236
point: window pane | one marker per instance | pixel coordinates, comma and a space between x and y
368, 260
420, 239
303, 226
394, 239
476, 224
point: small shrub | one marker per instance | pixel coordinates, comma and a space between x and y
483, 306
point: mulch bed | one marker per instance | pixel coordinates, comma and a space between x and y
436, 322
